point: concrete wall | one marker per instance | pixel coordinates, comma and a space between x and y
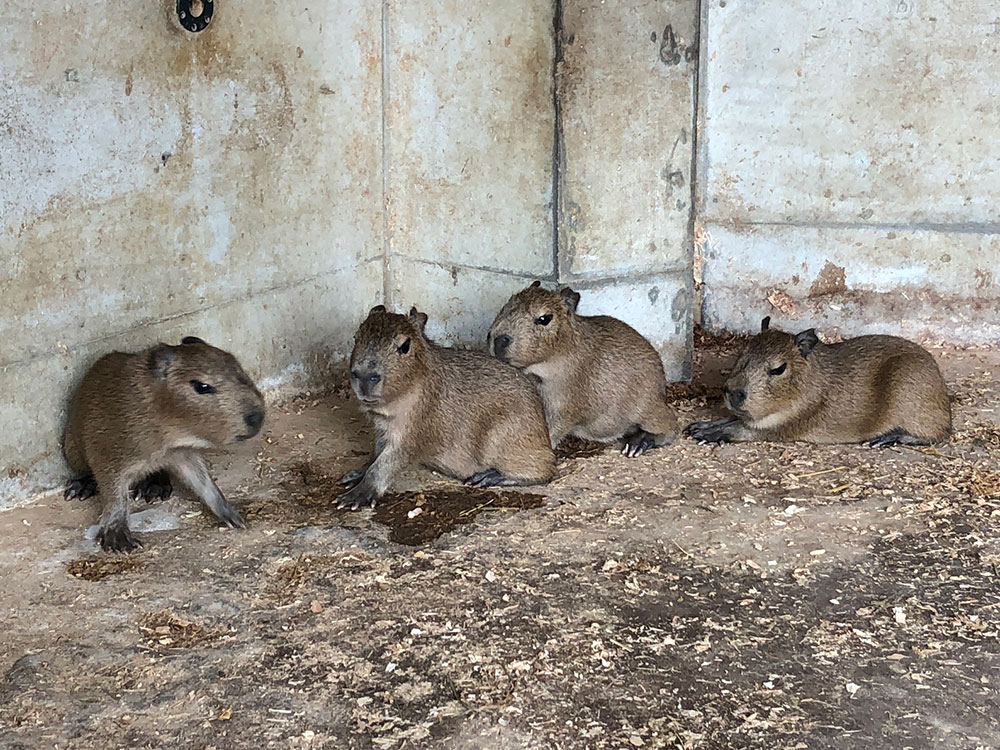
469, 131
626, 118
262, 184
154, 185
848, 166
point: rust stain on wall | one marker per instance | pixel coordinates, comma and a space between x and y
831, 280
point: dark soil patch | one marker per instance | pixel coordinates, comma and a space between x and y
416, 518
573, 447
413, 517
99, 568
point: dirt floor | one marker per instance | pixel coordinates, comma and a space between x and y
718, 597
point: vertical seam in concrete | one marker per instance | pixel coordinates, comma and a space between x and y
699, 157
386, 210
557, 136
696, 177
699, 167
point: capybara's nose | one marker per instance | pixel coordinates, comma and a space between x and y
500, 344
735, 396
254, 420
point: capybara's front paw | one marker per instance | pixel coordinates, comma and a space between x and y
717, 431
638, 443
359, 496
488, 478
117, 538
81, 488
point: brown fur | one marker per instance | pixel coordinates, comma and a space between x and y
875, 389
459, 412
599, 379
137, 414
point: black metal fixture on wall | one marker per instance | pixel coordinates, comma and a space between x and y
195, 15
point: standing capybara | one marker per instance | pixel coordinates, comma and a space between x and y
138, 418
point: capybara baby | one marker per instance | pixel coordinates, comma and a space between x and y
459, 412
870, 389
136, 419
598, 377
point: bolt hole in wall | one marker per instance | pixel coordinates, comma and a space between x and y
195, 15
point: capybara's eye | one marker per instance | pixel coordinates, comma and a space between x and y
404, 347
778, 370
202, 388
543, 320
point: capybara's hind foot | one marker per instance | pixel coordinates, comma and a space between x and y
493, 478
154, 487
638, 442
897, 436
117, 538
81, 488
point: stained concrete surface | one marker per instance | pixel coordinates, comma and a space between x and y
744, 596
625, 88
469, 135
857, 135
155, 185
262, 184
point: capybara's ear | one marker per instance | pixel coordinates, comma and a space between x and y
806, 341
571, 298
765, 323
377, 309
161, 357
535, 283
418, 319
191, 340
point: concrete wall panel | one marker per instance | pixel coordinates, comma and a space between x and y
146, 180
851, 280
626, 90
848, 166
153, 185
851, 111
469, 133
